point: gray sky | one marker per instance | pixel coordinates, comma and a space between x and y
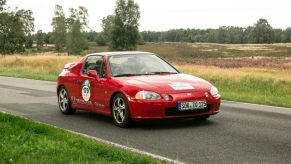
161, 15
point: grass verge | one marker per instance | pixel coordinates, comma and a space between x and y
52, 76
255, 90
24, 141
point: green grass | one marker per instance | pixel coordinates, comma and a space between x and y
24, 141
49, 76
255, 90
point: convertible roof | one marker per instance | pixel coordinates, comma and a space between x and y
121, 53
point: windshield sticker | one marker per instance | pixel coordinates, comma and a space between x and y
181, 86
86, 90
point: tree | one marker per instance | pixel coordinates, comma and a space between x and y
77, 23
29, 41
125, 34
262, 32
278, 36
91, 36
247, 38
107, 27
59, 28
2, 4
12, 35
287, 35
15, 26
47, 38
101, 40
75, 40
26, 18
39, 40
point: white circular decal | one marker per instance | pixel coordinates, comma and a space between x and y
86, 90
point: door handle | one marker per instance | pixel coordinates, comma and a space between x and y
78, 81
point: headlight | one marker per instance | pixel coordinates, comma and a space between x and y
213, 91
147, 95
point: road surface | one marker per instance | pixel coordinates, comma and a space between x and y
240, 133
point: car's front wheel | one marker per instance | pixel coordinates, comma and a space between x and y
64, 102
120, 111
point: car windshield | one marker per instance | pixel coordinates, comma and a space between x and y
136, 65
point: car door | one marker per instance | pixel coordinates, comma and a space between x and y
91, 91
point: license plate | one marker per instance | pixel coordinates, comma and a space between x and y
192, 105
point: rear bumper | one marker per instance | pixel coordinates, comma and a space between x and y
168, 109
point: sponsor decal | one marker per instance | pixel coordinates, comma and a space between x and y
181, 86
83, 102
86, 90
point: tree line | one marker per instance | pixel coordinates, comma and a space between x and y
260, 32
120, 31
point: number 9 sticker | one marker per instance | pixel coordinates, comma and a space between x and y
86, 90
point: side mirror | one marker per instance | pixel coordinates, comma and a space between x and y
93, 73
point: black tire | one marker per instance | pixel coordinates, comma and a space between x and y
64, 101
119, 108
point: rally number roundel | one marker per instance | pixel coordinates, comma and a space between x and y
86, 90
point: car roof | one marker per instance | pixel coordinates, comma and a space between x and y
121, 53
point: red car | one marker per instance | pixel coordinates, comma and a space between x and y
134, 85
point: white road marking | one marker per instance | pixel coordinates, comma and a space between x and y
261, 105
256, 107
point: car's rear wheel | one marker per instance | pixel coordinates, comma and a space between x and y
64, 102
120, 111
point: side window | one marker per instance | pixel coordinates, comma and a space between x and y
95, 63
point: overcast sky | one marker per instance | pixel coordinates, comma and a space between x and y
161, 15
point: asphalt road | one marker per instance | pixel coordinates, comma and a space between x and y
240, 133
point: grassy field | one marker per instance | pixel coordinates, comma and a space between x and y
244, 54
173, 51
42, 67
250, 73
24, 141
209, 50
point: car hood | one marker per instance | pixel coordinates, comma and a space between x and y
172, 83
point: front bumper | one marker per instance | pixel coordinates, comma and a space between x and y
161, 109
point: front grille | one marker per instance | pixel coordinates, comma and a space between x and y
176, 112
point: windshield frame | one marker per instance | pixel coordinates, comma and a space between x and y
110, 72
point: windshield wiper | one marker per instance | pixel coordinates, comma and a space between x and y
126, 74
159, 73
148, 73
